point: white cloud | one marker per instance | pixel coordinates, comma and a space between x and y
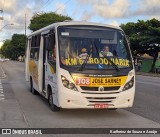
75, 12
8, 5
148, 8
117, 9
156, 17
122, 8
86, 16
61, 8
105, 9
114, 23
84, 2
14, 12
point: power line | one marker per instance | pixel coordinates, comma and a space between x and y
45, 4
2, 11
63, 7
1, 18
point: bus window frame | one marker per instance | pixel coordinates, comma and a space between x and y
90, 26
35, 44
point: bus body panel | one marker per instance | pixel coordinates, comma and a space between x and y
27, 73
70, 100
62, 96
80, 99
33, 69
51, 80
40, 67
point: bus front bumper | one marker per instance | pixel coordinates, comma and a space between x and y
73, 100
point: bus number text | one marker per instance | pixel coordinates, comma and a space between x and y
83, 81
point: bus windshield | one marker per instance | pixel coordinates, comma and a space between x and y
96, 47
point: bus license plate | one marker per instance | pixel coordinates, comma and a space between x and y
101, 106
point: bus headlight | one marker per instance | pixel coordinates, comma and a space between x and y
68, 84
65, 83
129, 84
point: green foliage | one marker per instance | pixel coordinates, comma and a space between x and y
15, 47
5, 49
144, 37
18, 41
39, 21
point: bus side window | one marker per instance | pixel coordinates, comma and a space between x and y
36, 54
52, 48
54, 53
31, 53
35, 44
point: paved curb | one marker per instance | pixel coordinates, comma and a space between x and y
3, 73
148, 74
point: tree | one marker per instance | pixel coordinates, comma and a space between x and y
15, 47
39, 21
144, 37
18, 45
5, 49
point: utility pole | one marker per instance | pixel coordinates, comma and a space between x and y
25, 24
1, 18
25, 36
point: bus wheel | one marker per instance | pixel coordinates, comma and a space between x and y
112, 108
34, 92
31, 85
51, 105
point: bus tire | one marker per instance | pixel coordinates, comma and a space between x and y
34, 92
112, 108
31, 85
52, 106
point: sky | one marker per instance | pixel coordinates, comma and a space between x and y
113, 12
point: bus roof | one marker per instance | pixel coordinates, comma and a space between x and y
71, 23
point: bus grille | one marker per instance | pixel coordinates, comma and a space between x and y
101, 99
96, 88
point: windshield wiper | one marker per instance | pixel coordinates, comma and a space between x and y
85, 61
112, 63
